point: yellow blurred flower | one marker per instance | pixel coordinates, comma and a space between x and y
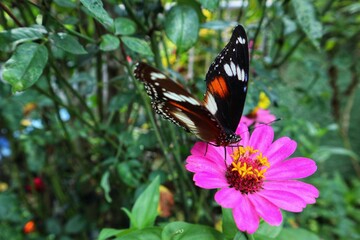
3, 186
204, 32
207, 14
218, 225
264, 101
25, 122
28, 108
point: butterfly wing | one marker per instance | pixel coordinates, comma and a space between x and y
174, 103
227, 81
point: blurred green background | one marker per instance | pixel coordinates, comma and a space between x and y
78, 138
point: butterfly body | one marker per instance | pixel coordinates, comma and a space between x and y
215, 119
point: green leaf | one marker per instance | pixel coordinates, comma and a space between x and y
325, 152
53, 226
126, 172
95, 7
109, 42
105, 184
67, 43
210, 5
76, 224
266, 230
218, 24
296, 234
182, 26
10, 38
121, 100
25, 66
228, 223
187, 231
305, 15
66, 3
152, 233
144, 210
239, 236
137, 45
108, 232
124, 26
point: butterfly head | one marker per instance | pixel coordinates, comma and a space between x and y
228, 138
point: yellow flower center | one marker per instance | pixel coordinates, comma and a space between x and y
246, 172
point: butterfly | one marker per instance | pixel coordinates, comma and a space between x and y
215, 119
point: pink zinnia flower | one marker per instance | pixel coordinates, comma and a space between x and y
257, 179
258, 116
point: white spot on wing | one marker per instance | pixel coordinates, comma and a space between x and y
186, 120
242, 74
233, 68
155, 76
211, 104
228, 70
238, 73
181, 98
241, 40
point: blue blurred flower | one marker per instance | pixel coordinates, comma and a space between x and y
64, 114
5, 150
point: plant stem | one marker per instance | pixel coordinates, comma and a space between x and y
8, 11
249, 236
258, 29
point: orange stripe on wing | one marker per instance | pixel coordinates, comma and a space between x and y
218, 87
179, 106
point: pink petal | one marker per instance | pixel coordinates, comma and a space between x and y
227, 197
293, 168
245, 216
243, 131
261, 138
202, 164
247, 121
268, 211
213, 156
210, 180
303, 190
199, 148
285, 200
280, 150
264, 116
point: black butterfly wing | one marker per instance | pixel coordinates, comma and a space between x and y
227, 81
174, 103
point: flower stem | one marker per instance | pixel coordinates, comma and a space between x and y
249, 236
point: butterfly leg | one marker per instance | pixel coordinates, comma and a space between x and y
206, 149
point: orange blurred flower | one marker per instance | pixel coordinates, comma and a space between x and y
28, 108
166, 202
29, 227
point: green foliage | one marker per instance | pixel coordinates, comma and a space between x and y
23, 72
305, 15
144, 211
182, 26
67, 43
12, 37
137, 45
124, 26
96, 9
73, 116
186, 231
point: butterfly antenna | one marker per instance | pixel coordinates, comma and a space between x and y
253, 127
265, 124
